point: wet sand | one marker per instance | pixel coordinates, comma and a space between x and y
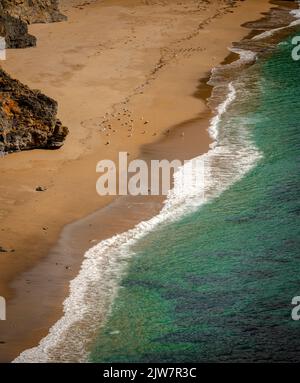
95, 73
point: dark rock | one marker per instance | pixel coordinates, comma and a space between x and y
15, 32
4, 250
38, 11
40, 188
16, 14
27, 118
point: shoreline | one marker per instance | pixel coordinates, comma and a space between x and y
70, 272
188, 294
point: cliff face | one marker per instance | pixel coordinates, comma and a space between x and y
16, 14
15, 32
37, 11
27, 118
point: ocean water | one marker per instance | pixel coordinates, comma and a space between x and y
217, 284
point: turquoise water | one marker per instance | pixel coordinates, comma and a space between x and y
217, 285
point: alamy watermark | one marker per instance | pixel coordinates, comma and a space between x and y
2, 308
296, 50
2, 49
139, 177
296, 309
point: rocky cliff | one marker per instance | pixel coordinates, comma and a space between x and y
37, 11
27, 118
15, 32
16, 14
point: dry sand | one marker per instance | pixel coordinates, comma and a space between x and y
110, 63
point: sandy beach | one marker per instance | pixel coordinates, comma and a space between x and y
108, 83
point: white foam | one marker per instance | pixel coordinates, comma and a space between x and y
245, 55
213, 129
294, 12
95, 288
267, 33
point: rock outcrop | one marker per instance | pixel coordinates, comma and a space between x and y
37, 11
15, 32
27, 118
16, 14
